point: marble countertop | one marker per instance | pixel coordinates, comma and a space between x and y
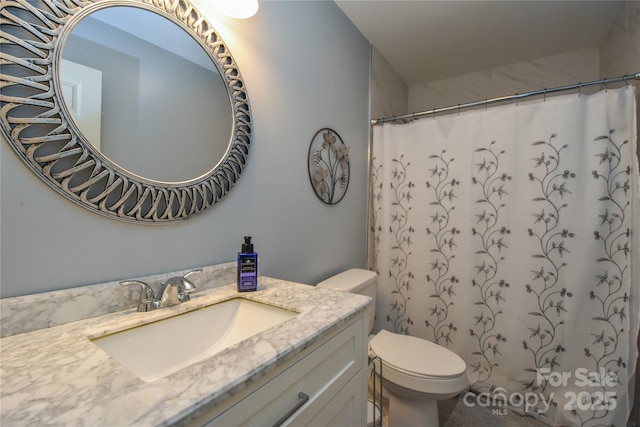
57, 376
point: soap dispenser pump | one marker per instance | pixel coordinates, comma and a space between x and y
247, 267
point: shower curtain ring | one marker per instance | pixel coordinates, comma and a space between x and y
579, 88
544, 95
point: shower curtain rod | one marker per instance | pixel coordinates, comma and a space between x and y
624, 78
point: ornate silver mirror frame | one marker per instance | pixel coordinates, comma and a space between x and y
44, 135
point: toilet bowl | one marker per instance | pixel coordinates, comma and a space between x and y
416, 373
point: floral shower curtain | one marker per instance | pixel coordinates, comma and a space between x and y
511, 235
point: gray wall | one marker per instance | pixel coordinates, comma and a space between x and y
306, 67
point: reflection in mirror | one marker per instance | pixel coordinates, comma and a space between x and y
163, 111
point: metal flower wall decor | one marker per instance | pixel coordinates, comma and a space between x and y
329, 166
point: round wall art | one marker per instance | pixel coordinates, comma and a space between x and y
329, 166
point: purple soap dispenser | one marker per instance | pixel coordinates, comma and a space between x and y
247, 267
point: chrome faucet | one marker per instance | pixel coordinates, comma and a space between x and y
173, 291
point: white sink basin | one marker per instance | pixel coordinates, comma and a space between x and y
157, 349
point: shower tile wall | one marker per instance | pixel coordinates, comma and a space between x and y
620, 51
388, 91
619, 54
557, 70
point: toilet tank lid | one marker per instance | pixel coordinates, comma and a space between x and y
350, 281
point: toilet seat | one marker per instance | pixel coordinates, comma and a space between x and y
418, 364
416, 356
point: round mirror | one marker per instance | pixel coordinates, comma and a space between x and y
145, 94
135, 110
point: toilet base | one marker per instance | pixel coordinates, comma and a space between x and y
407, 412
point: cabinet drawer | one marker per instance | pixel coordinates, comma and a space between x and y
320, 375
347, 408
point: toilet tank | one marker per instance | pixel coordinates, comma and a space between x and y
357, 281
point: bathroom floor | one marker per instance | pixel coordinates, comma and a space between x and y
475, 416
454, 413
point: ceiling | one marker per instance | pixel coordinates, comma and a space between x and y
427, 40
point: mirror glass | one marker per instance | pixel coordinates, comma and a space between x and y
145, 94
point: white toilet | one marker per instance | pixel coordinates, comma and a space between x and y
416, 372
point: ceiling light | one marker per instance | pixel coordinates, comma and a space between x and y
237, 8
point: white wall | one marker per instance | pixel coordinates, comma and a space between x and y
305, 67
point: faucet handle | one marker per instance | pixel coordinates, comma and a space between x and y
187, 285
197, 270
147, 297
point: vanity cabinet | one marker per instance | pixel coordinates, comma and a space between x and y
324, 385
